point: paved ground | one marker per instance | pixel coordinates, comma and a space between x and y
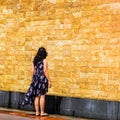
11, 114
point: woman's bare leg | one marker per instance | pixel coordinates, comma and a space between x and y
36, 104
42, 104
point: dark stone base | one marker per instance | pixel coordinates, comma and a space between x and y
88, 108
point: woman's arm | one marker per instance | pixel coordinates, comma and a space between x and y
33, 69
45, 68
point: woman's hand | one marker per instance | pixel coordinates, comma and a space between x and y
49, 84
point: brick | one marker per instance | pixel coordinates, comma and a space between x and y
82, 40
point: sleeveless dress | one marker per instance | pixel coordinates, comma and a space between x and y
38, 86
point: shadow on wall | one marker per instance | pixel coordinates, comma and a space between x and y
88, 108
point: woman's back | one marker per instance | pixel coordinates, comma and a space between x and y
39, 68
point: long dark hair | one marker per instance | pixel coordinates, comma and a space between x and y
41, 54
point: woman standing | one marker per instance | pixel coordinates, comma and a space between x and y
40, 82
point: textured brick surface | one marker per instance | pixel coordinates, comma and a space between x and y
82, 38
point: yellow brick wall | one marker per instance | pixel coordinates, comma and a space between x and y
82, 38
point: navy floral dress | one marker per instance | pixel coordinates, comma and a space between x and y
38, 86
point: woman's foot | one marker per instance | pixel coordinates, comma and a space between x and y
44, 114
37, 114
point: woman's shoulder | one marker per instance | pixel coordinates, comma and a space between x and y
44, 60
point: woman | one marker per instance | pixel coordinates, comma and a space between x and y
40, 82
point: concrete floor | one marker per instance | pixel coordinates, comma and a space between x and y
12, 114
